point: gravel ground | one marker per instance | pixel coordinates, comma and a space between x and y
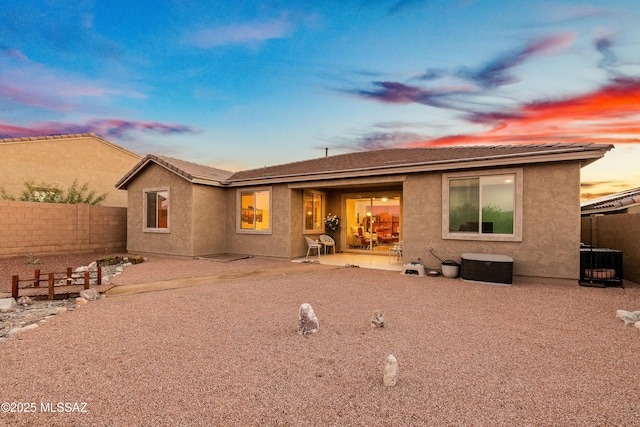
229, 354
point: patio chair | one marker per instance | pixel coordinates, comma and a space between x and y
312, 244
328, 242
397, 250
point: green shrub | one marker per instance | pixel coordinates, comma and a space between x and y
46, 193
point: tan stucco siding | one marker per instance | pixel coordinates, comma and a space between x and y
277, 243
209, 220
550, 215
298, 243
59, 162
178, 240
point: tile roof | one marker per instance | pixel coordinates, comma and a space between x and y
612, 202
378, 162
192, 172
397, 160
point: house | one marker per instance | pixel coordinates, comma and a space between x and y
627, 201
517, 200
57, 161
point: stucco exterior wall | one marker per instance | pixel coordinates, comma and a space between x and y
179, 239
298, 243
49, 228
551, 223
209, 220
275, 244
59, 161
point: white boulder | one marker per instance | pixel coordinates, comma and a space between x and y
377, 319
390, 377
7, 305
307, 320
627, 317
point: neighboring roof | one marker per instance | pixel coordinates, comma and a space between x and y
379, 162
612, 202
406, 160
67, 136
192, 172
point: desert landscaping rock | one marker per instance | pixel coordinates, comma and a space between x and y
390, 377
28, 314
629, 318
307, 320
377, 319
15, 331
7, 305
24, 300
89, 294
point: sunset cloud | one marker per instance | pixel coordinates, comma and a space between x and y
14, 54
108, 128
34, 85
400, 93
473, 81
608, 114
495, 72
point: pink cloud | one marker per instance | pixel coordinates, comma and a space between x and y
108, 128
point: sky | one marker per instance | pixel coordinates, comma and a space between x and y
244, 84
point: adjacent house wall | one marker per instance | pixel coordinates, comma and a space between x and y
60, 160
50, 228
618, 232
551, 223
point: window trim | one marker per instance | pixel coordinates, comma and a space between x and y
254, 190
323, 203
489, 237
145, 208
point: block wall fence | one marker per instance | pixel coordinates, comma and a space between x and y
618, 232
50, 228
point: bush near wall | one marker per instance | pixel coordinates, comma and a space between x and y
49, 228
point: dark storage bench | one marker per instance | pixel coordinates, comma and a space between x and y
487, 268
600, 267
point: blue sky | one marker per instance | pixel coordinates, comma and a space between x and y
244, 84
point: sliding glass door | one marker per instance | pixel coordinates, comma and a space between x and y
373, 221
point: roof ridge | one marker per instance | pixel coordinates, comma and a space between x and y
47, 137
158, 156
69, 136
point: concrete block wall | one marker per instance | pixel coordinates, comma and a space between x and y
49, 228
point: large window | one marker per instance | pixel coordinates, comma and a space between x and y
485, 206
156, 210
255, 210
313, 207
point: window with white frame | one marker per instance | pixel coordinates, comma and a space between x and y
255, 210
484, 206
313, 212
156, 209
